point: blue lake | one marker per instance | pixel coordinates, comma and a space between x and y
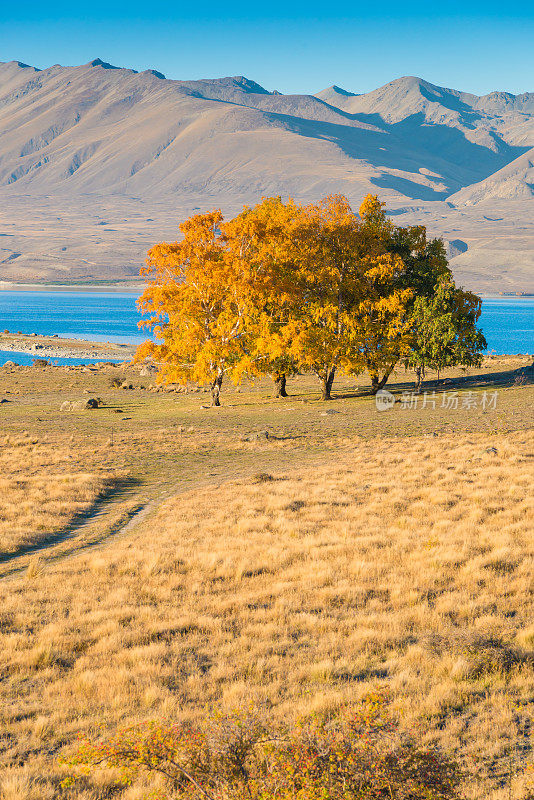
100, 317
508, 323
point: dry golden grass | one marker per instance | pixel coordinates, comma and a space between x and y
42, 492
400, 562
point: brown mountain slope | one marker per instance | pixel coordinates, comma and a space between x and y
88, 148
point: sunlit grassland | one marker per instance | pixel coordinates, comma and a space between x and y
346, 551
41, 493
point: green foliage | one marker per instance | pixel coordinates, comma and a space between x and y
425, 261
445, 329
359, 754
284, 287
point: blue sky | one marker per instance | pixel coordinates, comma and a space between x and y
292, 47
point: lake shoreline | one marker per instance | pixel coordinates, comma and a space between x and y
129, 288
53, 347
137, 288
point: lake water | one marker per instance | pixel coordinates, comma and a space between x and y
508, 323
100, 317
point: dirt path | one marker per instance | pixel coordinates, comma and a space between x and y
116, 515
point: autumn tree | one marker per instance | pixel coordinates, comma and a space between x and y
329, 286
321, 265
265, 242
197, 306
284, 287
219, 295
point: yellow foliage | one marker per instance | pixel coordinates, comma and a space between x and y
371, 207
281, 287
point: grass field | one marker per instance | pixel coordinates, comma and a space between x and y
42, 491
345, 550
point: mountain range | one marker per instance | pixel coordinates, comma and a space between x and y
98, 162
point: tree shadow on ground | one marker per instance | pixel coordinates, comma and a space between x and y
504, 379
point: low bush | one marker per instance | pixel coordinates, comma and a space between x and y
358, 754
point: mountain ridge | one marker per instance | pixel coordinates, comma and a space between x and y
95, 133
390, 111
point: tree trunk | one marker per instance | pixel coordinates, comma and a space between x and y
379, 383
279, 386
374, 383
327, 381
215, 390
418, 379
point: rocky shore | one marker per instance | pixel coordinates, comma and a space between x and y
50, 347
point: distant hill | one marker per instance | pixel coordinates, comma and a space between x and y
99, 137
515, 181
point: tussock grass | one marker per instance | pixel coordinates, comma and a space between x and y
406, 563
42, 492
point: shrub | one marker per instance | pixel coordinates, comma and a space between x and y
359, 754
